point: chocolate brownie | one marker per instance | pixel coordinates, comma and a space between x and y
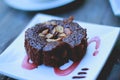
54, 42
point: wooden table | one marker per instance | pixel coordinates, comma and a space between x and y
13, 21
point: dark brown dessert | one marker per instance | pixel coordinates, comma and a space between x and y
54, 42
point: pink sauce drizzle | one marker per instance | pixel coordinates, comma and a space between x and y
70, 69
96, 39
27, 65
67, 71
95, 52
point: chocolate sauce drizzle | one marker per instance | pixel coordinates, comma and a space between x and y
81, 74
84, 69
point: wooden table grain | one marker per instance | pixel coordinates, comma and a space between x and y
13, 21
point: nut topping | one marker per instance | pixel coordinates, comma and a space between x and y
62, 35
44, 32
50, 40
59, 29
57, 33
40, 34
58, 39
49, 35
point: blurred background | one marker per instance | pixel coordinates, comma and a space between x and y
13, 21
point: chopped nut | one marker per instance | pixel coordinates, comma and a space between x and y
59, 29
58, 39
44, 32
50, 40
67, 31
70, 19
53, 23
53, 31
49, 35
62, 35
40, 34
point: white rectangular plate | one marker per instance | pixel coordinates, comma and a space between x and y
11, 59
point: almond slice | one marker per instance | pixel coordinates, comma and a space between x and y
58, 39
59, 29
44, 32
50, 40
49, 35
40, 34
62, 35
